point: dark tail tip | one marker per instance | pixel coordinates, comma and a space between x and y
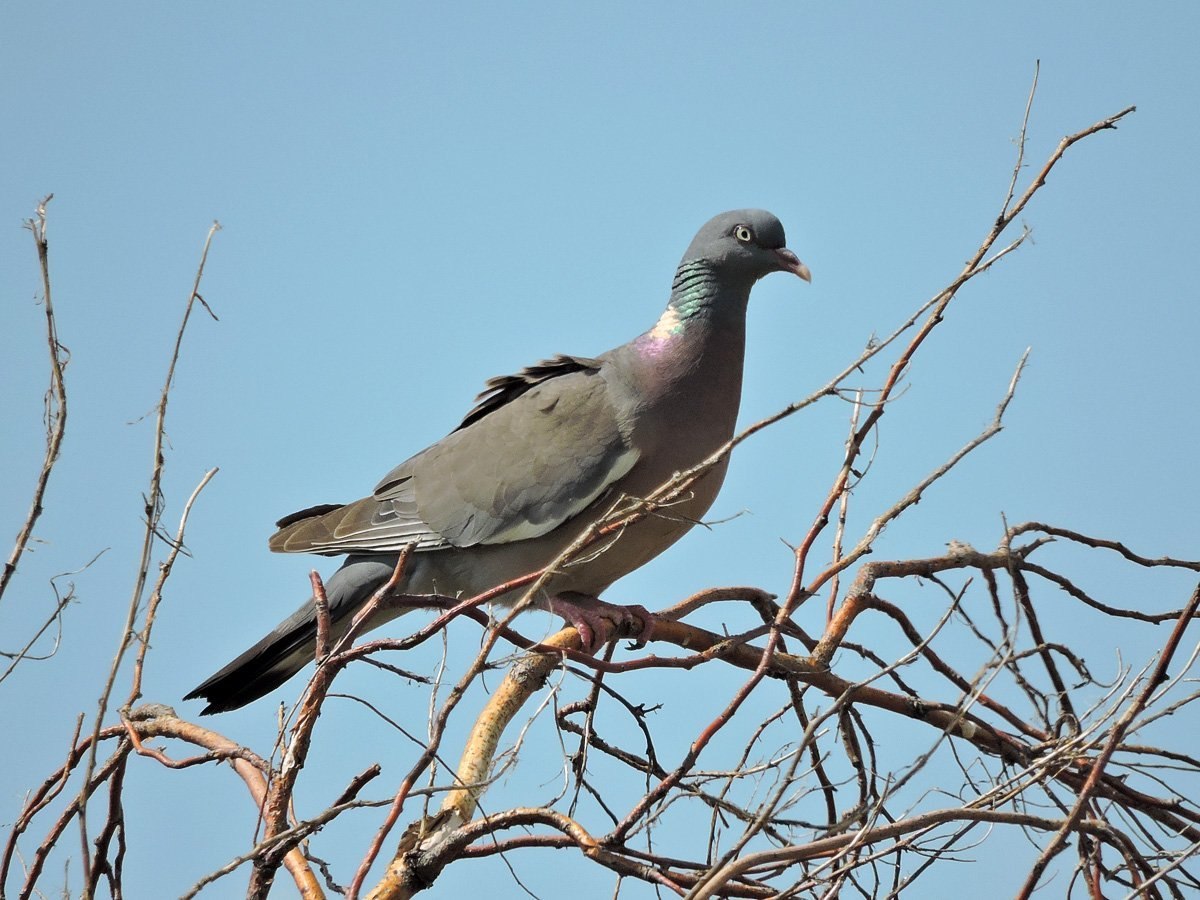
258, 671
227, 691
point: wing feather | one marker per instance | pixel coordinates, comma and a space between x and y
538, 449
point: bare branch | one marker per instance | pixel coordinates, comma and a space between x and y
56, 398
153, 510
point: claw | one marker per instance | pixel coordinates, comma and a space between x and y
588, 615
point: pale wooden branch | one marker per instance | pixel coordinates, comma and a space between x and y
523, 680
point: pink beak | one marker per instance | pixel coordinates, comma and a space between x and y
789, 262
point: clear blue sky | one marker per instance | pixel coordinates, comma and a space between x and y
415, 197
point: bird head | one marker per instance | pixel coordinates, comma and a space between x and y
745, 244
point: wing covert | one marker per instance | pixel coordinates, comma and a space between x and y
515, 471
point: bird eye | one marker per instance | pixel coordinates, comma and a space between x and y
743, 234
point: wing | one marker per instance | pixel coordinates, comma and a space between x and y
538, 449
505, 388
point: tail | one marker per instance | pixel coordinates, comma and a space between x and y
292, 645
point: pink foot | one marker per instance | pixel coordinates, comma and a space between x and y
588, 615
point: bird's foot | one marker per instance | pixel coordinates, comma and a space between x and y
593, 617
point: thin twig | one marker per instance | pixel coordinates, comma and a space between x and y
56, 397
153, 510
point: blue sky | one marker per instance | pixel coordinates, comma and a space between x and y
414, 198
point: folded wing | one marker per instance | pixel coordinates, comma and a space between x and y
538, 449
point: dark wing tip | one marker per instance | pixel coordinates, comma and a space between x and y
311, 512
504, 389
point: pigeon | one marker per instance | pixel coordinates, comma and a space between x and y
543, 455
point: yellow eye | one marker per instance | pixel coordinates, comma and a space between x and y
743, 234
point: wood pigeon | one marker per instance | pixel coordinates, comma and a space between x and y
543, 454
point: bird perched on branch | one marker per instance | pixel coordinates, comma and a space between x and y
543, 455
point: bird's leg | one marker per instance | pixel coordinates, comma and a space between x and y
586, 614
